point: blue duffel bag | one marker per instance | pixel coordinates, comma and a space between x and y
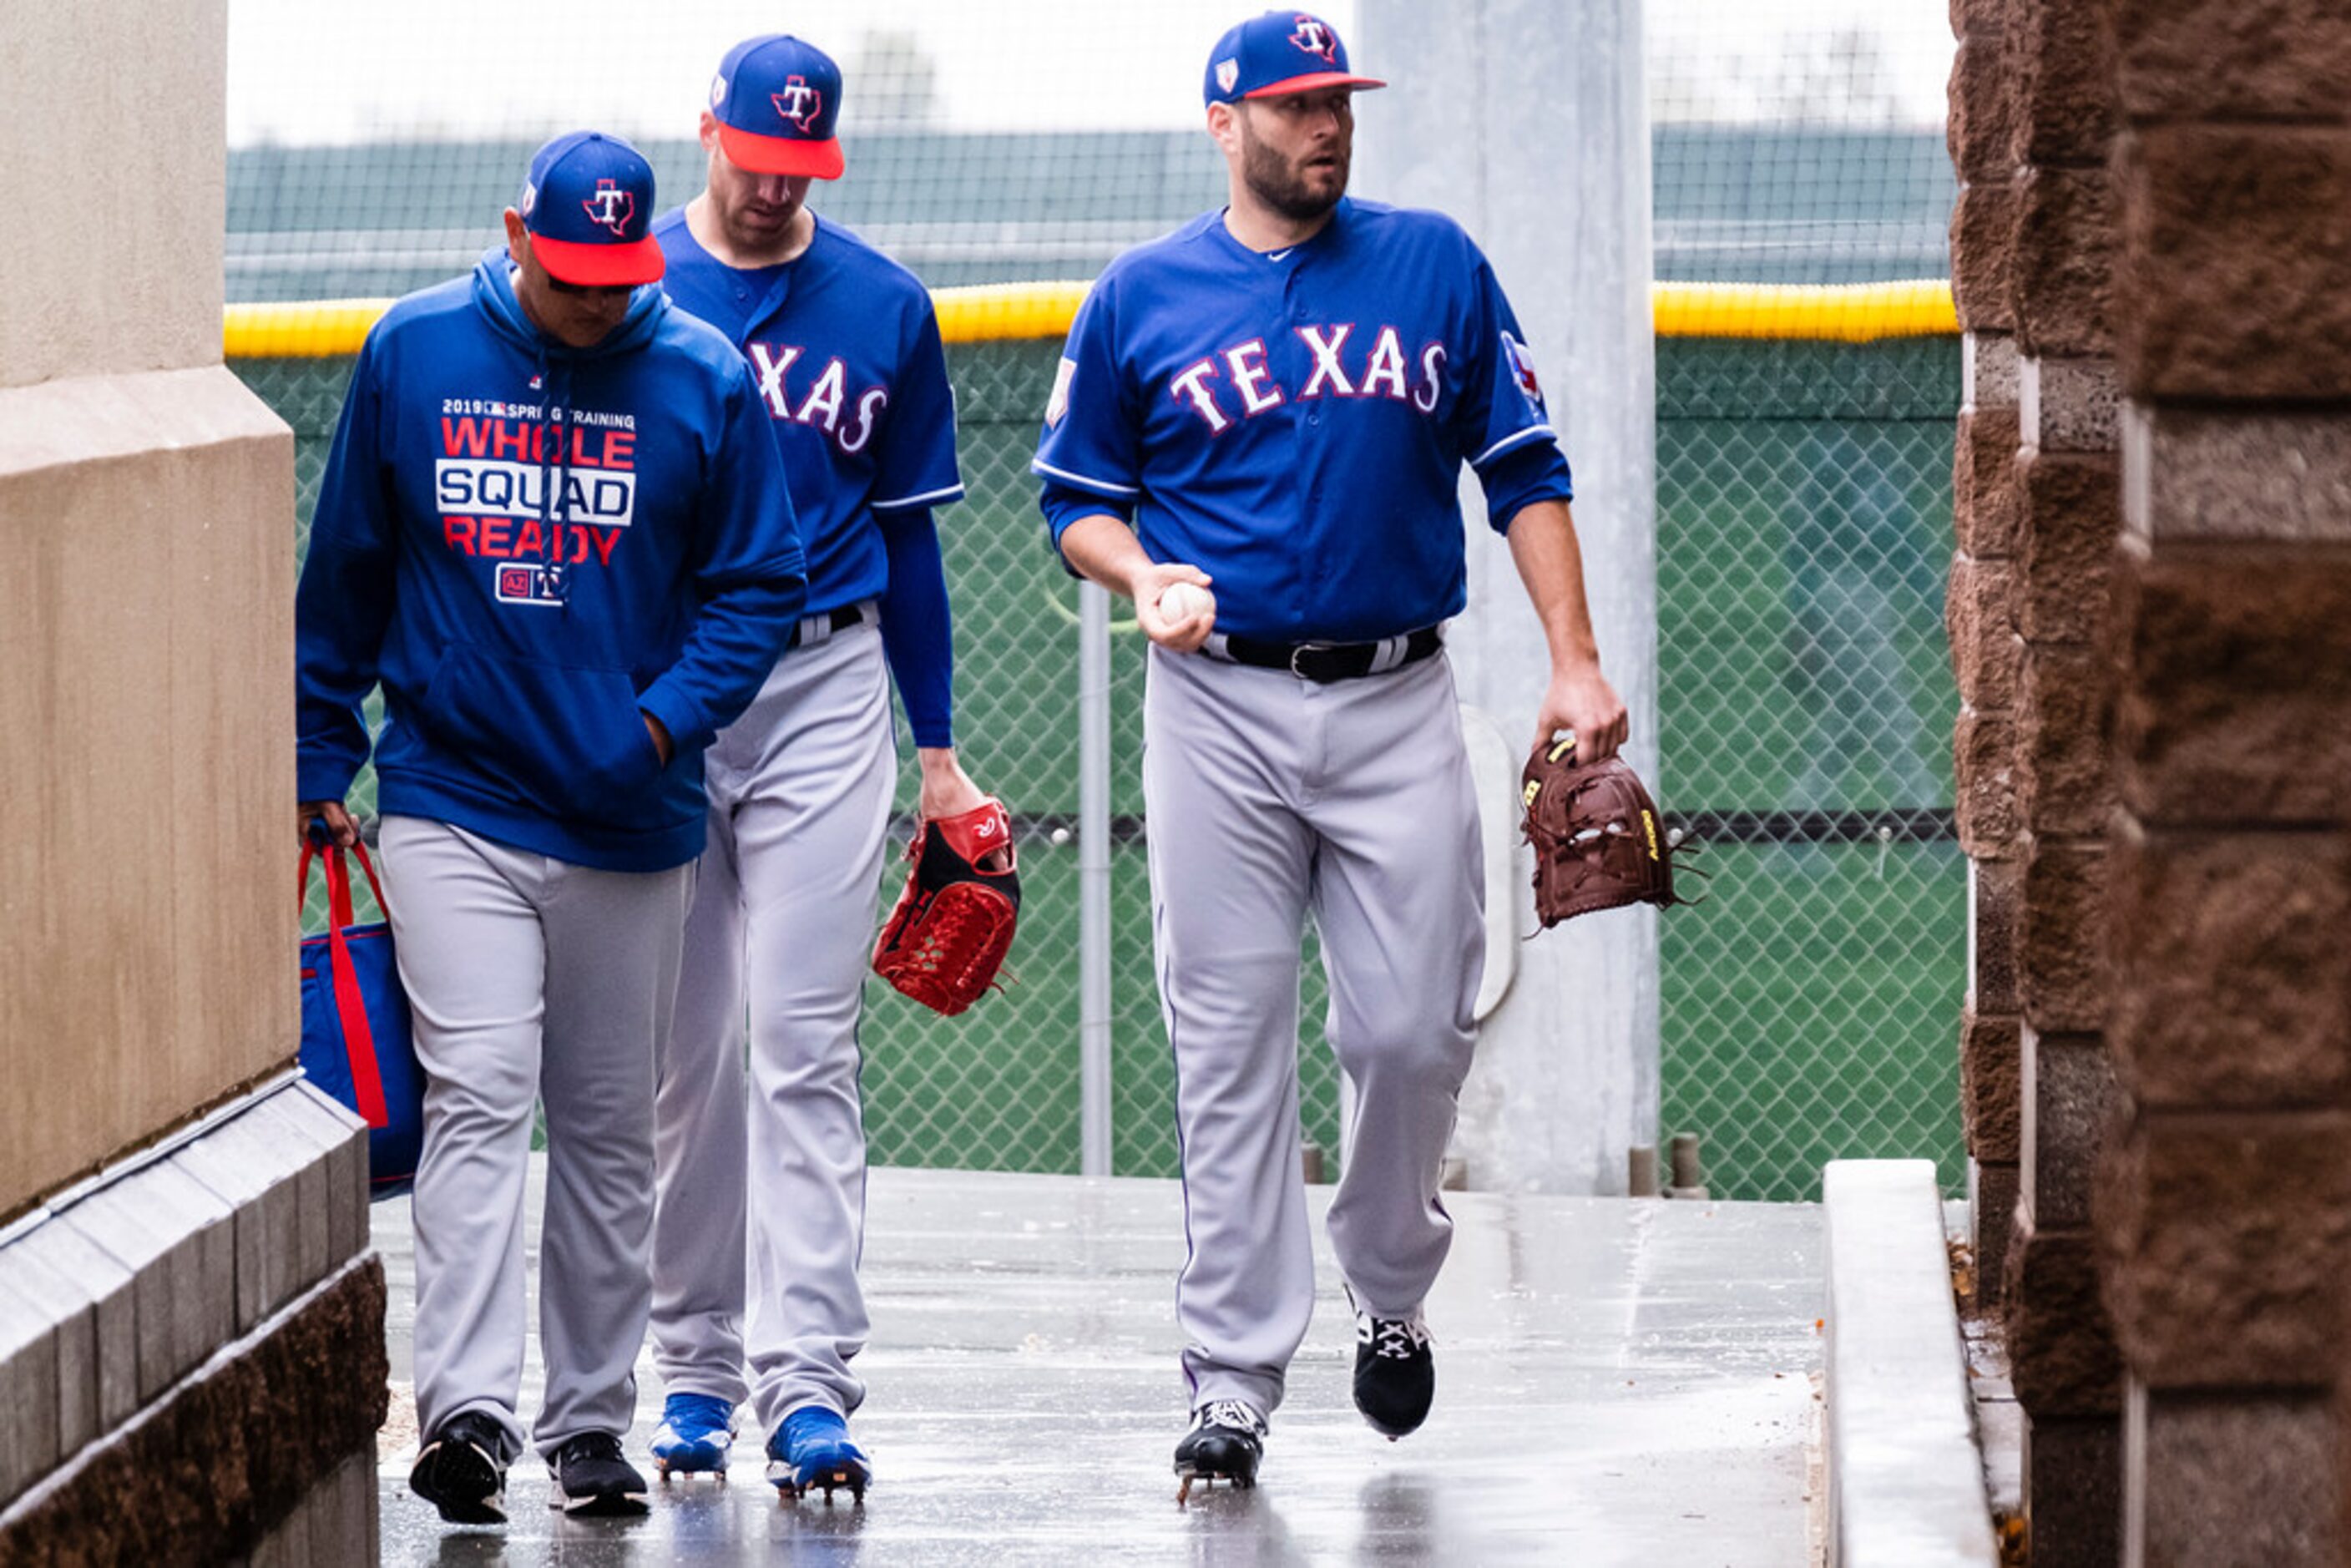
356, 1044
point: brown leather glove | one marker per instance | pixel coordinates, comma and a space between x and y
1599, 840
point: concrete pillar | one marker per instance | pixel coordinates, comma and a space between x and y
183, 1376
2225, 1205
1527, 120
146, 594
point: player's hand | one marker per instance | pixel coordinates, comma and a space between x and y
664, 747
1177, 634
1581, 700
947, 790
332, 819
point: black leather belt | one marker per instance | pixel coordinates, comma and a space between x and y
839, 619
1334, 661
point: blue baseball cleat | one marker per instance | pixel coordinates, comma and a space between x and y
696, 1433
812, 1450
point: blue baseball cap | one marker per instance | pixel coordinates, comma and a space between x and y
588, 205
1281, 51
776, 99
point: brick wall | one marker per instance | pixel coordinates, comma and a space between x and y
2224, 1208
1981, 613
2039, 504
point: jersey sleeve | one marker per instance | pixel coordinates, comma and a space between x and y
1091, 441
918, 627
1522, 477
1501, 423
916, 465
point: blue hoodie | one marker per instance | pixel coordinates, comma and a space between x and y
529, 546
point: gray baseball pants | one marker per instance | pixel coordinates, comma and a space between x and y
778, 940
1272, 799
531, 979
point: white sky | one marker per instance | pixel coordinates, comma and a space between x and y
308, 71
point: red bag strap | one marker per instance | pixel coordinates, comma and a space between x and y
350, 1004
374, 886
341, 913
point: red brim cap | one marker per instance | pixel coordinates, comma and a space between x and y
598, 266
781, 154
1311, 81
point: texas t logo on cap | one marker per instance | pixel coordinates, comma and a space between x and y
611, 206
1316, 39
588, 203
799, 102
775, 102
1261, 59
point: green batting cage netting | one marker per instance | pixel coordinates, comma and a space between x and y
1803, 461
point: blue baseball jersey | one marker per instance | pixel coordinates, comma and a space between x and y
845, 346
1294, 422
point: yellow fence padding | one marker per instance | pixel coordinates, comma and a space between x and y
1001, 312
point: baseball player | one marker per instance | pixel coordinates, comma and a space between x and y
845, 351
1256, 434
553, 527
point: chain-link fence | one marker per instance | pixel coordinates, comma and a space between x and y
1802, 514
1803, 494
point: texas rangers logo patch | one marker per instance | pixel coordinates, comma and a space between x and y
523, 582
1228, 73
1315, 38
1059, 404
611, 206
800, 103
1522, 367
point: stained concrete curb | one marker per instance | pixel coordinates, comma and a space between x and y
1906, 1482
158, 1400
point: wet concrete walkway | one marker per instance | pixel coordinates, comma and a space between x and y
1617, 1382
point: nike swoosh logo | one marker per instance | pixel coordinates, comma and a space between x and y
1278, 254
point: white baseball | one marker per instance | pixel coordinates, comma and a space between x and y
1180, 601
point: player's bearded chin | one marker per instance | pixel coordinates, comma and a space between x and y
1281, 186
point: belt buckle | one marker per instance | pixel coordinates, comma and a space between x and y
1301, 652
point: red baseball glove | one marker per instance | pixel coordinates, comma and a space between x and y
948, 937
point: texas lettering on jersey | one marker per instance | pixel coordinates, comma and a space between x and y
538, 498
826, 404
1347, 361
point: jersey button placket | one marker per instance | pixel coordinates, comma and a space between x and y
1314, 409
1300, 314
1303, 316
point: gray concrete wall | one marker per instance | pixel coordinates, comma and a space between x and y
146, 775
1527, 120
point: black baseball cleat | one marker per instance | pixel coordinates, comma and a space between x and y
1227, 1440
593, 1481
458, 1471
1395, 1375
